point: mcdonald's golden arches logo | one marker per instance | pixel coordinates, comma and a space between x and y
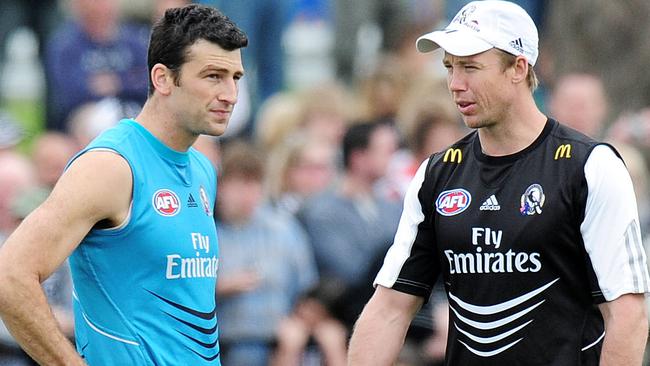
453, 155
563, 151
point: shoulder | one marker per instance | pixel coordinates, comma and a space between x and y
604, 160
566, 138
100, 165
204, 165
202, 160
454, 153
97, 183
122, 137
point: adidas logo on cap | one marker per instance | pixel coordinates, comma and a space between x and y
490, 204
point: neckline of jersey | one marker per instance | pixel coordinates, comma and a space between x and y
178, 157
507, 159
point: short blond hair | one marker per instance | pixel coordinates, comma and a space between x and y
508, 60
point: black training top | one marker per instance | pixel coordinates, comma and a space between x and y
526, 244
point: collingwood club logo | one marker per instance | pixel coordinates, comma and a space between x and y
532, 200
464, 18
207, 207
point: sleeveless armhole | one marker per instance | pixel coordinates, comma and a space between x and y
127, 219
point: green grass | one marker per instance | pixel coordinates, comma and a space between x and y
30, 114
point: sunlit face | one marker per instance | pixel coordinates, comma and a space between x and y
207, 89
480, 87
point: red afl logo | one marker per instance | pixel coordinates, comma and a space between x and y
166, 202
453, 202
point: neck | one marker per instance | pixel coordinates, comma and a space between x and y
164, 124
519, 128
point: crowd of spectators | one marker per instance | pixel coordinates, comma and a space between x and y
313, 172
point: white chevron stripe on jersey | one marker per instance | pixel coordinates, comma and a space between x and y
594, 342
496, 338
491, 310
496, 323
497, 308
490, 353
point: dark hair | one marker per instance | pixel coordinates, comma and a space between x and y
180, 28
356, 138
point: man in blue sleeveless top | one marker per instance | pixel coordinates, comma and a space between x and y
134, 213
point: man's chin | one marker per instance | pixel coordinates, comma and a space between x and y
217, 129
475, 122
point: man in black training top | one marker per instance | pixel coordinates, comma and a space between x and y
532, 226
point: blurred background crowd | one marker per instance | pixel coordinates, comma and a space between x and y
335, 114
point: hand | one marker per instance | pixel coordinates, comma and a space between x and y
331, 333
331, 337
293, 335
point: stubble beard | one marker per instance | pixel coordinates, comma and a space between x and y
478, 123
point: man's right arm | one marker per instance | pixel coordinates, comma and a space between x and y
96, 187
379, 333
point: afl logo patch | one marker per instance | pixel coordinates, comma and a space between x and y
453, 202
166, 202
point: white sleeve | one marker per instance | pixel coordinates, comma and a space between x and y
407, 230
610, 229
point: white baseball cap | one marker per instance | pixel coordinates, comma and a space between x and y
481, 25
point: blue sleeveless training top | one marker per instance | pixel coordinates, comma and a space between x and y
145, 291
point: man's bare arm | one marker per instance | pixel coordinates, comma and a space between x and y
96, 187
379, 333
626, 330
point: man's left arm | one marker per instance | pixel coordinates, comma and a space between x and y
626, 330
612, 238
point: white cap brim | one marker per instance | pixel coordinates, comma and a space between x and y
457, 42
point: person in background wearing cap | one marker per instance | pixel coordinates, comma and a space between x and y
532, 226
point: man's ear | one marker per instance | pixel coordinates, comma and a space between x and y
162, 78
520, 70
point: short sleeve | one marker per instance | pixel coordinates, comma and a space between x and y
610, 229
410, 265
